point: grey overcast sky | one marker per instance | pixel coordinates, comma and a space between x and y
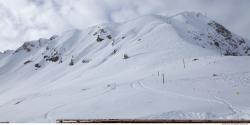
24, 20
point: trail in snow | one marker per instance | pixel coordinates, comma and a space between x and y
168, 92
233, 109
46, 115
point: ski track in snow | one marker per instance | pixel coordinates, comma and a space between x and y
46, 115
234, 110
242, 77
111, 87
170, 93
137, 85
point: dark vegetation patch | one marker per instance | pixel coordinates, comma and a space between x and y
195, 59
102, 34
109, 37
53, 37
125, 56
114, 52
242, 41
27, 62
215, 75
99, 39
85, 61
247, 50
71, 63
38, 65
19, 102
217, 44
54, 57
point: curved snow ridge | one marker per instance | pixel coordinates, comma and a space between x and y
236, 112
46, 115
183, 115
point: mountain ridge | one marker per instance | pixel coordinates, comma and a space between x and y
166, 19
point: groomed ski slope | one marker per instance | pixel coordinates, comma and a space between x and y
199, 81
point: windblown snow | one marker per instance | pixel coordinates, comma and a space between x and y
186, 66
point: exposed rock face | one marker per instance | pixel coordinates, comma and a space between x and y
207, 33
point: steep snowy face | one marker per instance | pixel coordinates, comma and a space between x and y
207, 33
11, 60
99, 43
178, 34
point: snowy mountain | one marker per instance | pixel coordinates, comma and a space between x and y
186, 66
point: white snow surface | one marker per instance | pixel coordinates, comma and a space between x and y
82, 74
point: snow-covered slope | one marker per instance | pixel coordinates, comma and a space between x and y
116, 71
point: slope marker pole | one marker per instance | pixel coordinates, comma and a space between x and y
183, 61
163, 78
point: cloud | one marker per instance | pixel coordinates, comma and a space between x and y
24, 20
